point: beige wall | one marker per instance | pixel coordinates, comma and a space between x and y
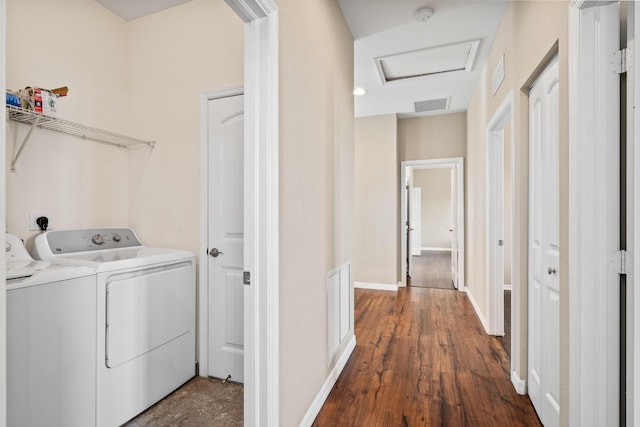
172, 58
436, 206
316, 159
78, 183
145, 78
432, 137
526, 45
376, 186
142, 78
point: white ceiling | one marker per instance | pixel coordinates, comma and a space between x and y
387, 27
383, 28
132, 9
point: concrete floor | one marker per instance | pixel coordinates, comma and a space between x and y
200, 402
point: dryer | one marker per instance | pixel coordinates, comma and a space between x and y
51, 341
145, 325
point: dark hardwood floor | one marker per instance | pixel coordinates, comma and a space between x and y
432, 269
506, 339
423, 359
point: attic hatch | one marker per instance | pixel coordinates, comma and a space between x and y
431, 105
427, 62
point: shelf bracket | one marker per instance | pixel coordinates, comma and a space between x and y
24, 142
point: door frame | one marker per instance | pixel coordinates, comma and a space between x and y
412, 207
3, 217
594, 187
503, 117
633, 215
261, 204
203, 270
444, 163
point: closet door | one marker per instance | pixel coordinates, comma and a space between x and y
544, 249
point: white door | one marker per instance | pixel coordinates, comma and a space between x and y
415, 220
226, 238
454, 226
544, 293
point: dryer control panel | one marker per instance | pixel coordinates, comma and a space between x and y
91, 239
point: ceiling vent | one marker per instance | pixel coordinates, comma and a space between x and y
427, 62
432, 105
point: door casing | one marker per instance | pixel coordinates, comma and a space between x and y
594, 215
3, 216
406, 167
501, 119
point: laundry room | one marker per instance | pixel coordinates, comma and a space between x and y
141, 78
139, 85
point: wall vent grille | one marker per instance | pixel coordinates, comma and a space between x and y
432, 105
340, 304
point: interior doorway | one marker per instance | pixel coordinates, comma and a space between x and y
500, 213
224, 308
432, 223
430, 210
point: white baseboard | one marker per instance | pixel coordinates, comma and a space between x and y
322, 395
507, 287
375, 286
431, 248
519, 384
477, 309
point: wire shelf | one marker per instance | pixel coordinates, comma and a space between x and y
43, 121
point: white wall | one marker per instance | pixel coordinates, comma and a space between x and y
436, 206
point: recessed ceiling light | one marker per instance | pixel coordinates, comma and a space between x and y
359, 91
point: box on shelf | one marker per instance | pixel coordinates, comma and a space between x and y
13, 99
41, 100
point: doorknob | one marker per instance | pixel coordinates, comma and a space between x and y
551, 270
215, 252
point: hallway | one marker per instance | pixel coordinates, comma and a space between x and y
423, 359
432, 269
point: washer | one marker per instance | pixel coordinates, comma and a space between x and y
145, 315
51, 341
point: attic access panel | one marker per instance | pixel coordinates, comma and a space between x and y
428, 61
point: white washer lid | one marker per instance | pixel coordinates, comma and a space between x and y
19, 262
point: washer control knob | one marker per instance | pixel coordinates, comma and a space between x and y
98, 239
116, 238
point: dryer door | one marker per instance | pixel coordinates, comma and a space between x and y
146, 309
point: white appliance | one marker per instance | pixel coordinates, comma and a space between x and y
145, 316
51, 341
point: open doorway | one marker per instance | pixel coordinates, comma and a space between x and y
430, 209
432, 223
500, 213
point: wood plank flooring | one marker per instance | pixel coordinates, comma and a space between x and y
432, 269
423, 359
506, 339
